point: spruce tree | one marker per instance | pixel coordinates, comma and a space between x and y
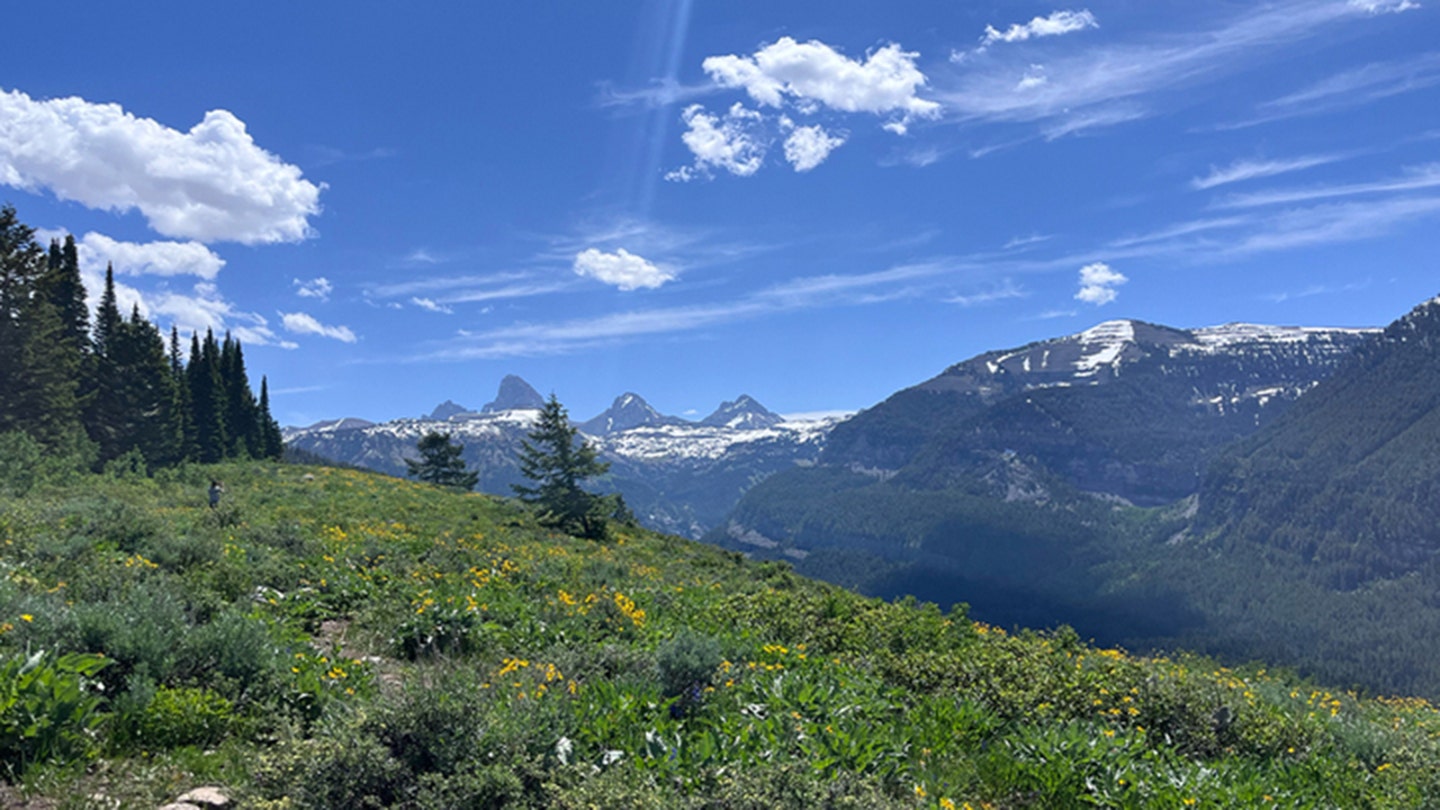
207, 397
66, 291
105, 418
182, 412
272, 445
241, 415
557, 461
440, 463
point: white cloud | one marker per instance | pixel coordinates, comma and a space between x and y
807, 147
427, 303
1059, 22
622, 269
1004, 291
812, 73
207, 309
735, 142
1106, 84
1098, 283
1349, 88
1033, 78
318, 287
1415, 178
149, 259
1242, 170
210, 184
1384, 6
303, 324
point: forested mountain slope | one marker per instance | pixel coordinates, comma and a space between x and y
1350, 477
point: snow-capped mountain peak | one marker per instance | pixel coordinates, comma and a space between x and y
630, 410
743, 412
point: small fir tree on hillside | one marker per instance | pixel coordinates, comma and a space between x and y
440, 463
557, 461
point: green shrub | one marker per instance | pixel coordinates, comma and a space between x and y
687, 661
185, 716
47, 709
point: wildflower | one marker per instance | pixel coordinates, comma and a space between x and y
920, 791
26, 617
946, 804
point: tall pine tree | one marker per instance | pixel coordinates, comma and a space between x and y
207, 398
272, 445
38, 373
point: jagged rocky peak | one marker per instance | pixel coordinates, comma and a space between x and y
629, 410
741, 413
447, 409
514, 394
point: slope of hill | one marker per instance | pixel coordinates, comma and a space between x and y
1348, 477
332, 639
677, 476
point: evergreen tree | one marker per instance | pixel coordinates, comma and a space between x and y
272, 445
552, 458
66, 292
208, 399
440, 463
144, 393
37, 373
182, 413
241, 414
103, 398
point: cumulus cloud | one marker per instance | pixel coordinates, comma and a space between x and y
211, 184
205, 308
622, 268
813, 73
301, 323
1098, 283
318, 287
1059, 22
430, 304
148, 259
807, 147
735, 142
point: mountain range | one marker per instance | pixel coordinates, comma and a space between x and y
677, 475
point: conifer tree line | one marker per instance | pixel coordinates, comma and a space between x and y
111, 386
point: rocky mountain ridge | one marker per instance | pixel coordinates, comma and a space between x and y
676, 475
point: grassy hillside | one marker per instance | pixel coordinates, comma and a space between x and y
331, 638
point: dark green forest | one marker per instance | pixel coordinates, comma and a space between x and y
111, 391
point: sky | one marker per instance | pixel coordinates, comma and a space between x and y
816, 204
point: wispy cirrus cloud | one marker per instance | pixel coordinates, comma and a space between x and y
532, 339
1348, 89
1316, 289
1125, 81
1414, 178
1242, 170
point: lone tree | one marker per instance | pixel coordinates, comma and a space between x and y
557, 463
440, 463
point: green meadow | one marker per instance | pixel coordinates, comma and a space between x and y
331, 638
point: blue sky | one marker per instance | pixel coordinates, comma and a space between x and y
816, 204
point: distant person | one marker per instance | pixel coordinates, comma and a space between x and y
215, 489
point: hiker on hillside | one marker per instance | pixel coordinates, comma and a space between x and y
215, 489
